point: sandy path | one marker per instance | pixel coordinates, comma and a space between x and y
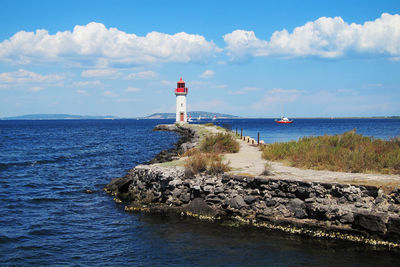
248, 161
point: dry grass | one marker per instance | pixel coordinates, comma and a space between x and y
210, 163
219, 143
347, 152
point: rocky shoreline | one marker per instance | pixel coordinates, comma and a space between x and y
363, 214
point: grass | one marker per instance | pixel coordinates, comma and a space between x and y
210, 163
219, 143
347, 152
207, 157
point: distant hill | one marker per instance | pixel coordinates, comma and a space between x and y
58, 117
194, 114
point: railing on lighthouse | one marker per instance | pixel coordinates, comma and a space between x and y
180, 88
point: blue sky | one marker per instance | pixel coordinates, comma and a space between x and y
247, 58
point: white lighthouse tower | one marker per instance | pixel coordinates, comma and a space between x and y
181, 92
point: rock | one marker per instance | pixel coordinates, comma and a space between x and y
300, 214
237, 202
393, 226
296, 204
369, 221
270, 202
185, 198
213, 199
200, 207
302, 193
358, 204
309, 200
175, 182
250, 199
208, 188
379, 200
347, 218
176, 193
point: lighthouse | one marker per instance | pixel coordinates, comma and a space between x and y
181, 92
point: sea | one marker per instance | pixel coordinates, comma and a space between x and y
54, 211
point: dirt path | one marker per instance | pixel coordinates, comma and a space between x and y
248, 161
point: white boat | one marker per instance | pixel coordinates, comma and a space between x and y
214, 118
284, 120
190, 119
199, 118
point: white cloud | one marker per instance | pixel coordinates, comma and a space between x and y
109, 94
220, 86
129, 100
244, 90
133, 89
324, 38
95, 45
36, 89
103, 73
212, 105
87, 84
142, 75
81, 92
276, 97
165, 82
24, 77
207, 74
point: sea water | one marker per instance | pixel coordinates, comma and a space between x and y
47, 216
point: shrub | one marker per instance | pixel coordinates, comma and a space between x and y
195, 164
219, 143
267, 170
216, 165
209, 124
190, 152
205, 162
349, 152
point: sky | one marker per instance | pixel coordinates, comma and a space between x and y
247, 58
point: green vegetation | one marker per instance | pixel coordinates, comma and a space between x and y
207, 157
219, 143
347, 152
209, 124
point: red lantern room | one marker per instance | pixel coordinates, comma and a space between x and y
180, 88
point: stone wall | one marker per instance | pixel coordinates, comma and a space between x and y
360, 210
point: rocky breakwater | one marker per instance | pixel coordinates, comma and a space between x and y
328, 210
188, 140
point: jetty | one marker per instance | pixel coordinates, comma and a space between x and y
363, 208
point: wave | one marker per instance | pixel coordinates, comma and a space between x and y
5, 239
4, 166
45, 199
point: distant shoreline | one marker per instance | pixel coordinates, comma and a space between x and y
109, 117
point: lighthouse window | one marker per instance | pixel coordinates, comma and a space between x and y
181, 104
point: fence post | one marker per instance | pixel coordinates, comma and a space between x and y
258, 138
241, 133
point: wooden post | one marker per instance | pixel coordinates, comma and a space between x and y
258, 138
236, 131
241, 133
